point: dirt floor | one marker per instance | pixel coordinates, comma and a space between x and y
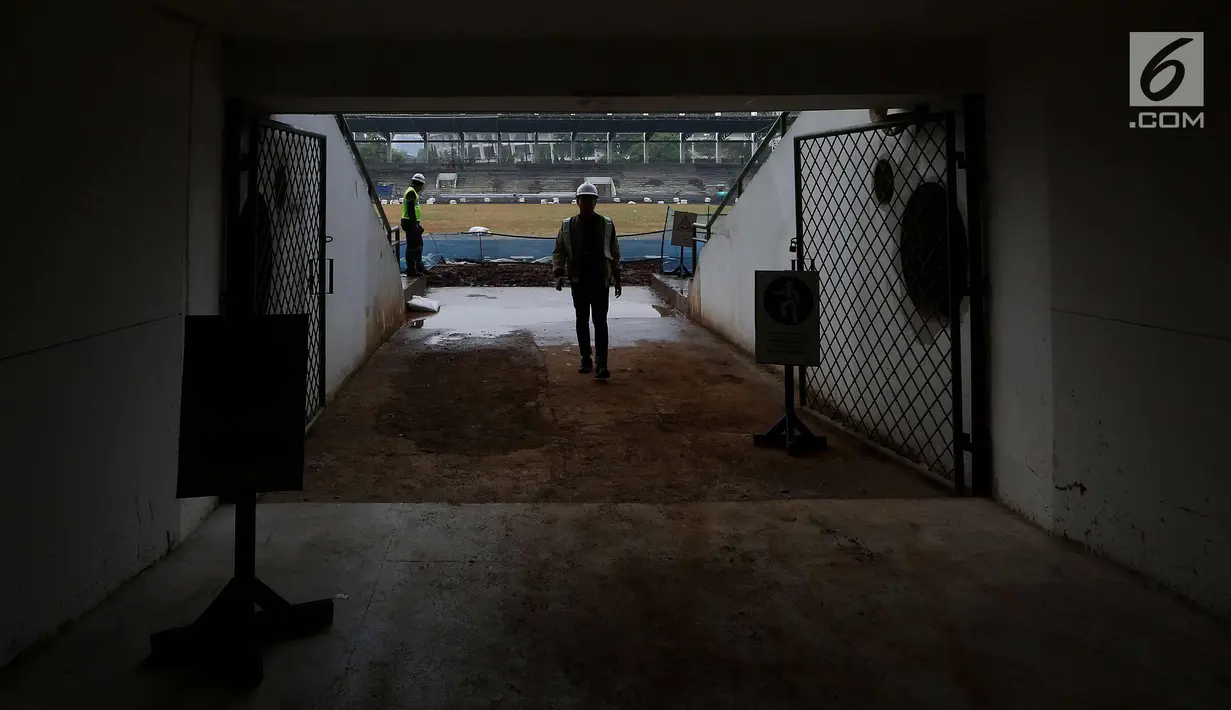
636, 273
538, 220
507, 419
873, 591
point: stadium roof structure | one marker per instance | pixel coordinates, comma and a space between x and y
560, 123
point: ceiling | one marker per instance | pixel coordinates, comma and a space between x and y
718, 20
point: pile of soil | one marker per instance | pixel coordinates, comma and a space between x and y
636, 273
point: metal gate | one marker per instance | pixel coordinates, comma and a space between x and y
287, 188
879, 217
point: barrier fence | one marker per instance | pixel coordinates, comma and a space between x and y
499, 248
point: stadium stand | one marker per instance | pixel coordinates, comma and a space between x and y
690, 180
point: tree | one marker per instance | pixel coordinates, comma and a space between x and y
737, 152
626, 151
378, 152
666, 149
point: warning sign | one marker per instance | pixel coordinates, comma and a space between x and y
787, 322
683, 229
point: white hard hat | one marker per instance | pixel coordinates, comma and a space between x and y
587, 188
418, 177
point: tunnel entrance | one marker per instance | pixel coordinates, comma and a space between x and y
485, 403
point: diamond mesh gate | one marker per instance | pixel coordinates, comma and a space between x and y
878, 218
288, 174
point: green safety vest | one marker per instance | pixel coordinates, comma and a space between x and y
406, 201
608, 228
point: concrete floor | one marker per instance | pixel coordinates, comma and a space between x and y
853, 602
937, 603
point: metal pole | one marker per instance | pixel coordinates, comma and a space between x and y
645, 152
717, 154
956, 273
980, 384
609, 147
797, 263
322, 238
681, 149
789, 404
245, 538
662, 245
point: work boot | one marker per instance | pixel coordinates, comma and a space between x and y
602, 373
586, 366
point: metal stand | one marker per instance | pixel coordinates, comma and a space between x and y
790, 433
226, 639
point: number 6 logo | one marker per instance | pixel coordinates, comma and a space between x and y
1166, 69
1157, 64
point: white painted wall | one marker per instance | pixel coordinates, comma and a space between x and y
1112, 339
96, 292
880, 354
755, 235
366, 305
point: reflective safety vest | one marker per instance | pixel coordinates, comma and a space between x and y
406, 201
608, 229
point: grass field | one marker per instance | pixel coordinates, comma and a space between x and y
535, 219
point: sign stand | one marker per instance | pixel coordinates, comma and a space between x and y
790, 432
226, 638
241, 433
683, 232
787, 334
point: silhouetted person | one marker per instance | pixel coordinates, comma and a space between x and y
412, 226
587, 257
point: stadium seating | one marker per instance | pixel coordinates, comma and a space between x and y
692, 180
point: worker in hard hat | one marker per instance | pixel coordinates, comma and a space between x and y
587, 258
412, 226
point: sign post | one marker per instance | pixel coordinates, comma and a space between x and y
242, 433
788, 334
683, 231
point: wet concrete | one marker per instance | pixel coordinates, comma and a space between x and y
937, 603
544, 313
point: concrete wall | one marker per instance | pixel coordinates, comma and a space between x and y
881, 350
1111, 336
1110, 339
366, 305
96, 291
1019, 250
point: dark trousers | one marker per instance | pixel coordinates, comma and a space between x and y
414, 249
590, 299
414, 260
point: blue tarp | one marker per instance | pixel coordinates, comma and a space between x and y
438, 249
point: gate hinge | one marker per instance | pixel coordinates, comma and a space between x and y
960, 159
965, 441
